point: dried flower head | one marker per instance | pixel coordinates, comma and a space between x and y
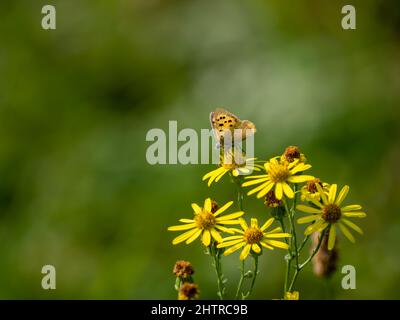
325, 261
188, 291
271, 201
293, 153
183, 269
214, 206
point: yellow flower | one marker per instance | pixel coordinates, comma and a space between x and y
309, 191
206, 223
253, 237
292, 295
237, 165
279, 174
329, 213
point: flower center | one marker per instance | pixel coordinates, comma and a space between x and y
311, 185
253, 235
278, 172
331, 213
271, 201
205, 220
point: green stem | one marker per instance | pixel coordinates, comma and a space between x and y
255, 257
293, 231
239, 287
301, 266
217, 265
288, 259
303, 244
239, 192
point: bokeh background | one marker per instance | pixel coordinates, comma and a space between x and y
76, 104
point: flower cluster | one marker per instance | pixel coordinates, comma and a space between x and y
282, 183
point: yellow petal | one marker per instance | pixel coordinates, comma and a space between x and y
260, 187
352, 225
230, 238
278, 191
196, 208
256, 248
278, 235
234, 248
303, 208
267, 224
221, 175
225, 229
186, 220
230, 216
223, 208
332, 237
355, 214
300, 179
342, 195
317, 203
352, 207
182, 227
206, 239
257, 176
278, 244
185, 236
229, 222
211, 173
229, 243
313, 227
215, 234
245, 252
215, 174
266, 189
322, 226
277, 229
288, 190
307, 219
322, 193
253, 222
243, 224
300, 167
207, 205
252, 182
194, 236
266, 245
332, 193
346, 232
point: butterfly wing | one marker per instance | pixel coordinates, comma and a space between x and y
223, 122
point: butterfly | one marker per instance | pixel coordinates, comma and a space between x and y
225, 123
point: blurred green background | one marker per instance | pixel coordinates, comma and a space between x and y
76, 104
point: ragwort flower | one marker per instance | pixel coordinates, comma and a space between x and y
328, 213
206, 223
234, 162
253, 237
279, 175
